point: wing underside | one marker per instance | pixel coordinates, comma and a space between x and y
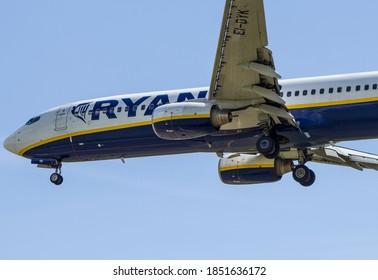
245, 80
244, 68
345, 157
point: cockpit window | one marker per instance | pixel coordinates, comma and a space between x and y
33, 120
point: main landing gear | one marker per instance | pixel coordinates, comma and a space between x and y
56, 178
269, 146
303, 175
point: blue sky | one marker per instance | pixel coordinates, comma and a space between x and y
174, 207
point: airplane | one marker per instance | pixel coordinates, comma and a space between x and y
260, 126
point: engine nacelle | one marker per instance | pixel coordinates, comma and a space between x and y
252, 169
188, 120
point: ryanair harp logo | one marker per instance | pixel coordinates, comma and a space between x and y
80, 111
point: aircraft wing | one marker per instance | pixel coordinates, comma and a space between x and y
244, 69
343, 156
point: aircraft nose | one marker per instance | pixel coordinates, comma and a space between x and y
9, 144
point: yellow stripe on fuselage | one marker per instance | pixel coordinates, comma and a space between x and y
78, 133
110, 128
247, 166
332, 103
104, 129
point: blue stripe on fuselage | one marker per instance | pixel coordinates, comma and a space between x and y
323, 124
339, 123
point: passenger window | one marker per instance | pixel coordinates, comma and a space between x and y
322, 91
305, 92
348, 89
126, 109
143, 107
135, 108
111, 110
104, 111
330, 90
375, 86
119, 109
151, 107
367, 87
339, 89
313, 92
297, 93
289, 94
90, 112
97, 112
358, 88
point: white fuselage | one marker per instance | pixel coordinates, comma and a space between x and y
91, 124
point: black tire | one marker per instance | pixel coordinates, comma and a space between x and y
301, 174
311, 181
266, 145
60, 180
275, 153
56, 179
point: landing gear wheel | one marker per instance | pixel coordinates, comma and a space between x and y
265, 144
311, 181
275, 153
301, 174
60, 180
56, 179
268, 146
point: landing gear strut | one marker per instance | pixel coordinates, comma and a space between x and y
303, 175
56, 178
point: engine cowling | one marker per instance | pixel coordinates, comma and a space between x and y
242, 169
188, 120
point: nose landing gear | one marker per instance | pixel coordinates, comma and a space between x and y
56, 178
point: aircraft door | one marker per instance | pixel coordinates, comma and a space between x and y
61, 118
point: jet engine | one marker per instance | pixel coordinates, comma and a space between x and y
239, 169
188, 120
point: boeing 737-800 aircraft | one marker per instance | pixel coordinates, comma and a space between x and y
266, 126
